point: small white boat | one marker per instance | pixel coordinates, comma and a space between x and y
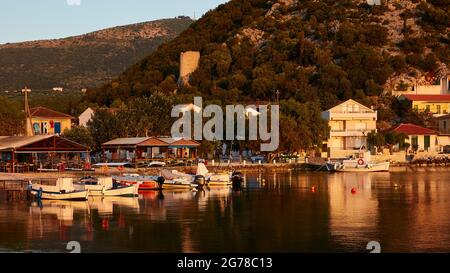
63, 190
142, 182
177, 180
104, 186
214, 179
362, 164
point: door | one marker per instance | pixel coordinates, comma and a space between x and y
57, 127
414, 143
426, 143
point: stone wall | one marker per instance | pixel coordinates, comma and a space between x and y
189, 62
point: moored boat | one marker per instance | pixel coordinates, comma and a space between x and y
362, 163
177, 180
104, 186
63, 190
143, 182
214, 179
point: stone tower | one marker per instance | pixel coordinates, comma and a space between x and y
189, 62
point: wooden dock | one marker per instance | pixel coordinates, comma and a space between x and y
16, 190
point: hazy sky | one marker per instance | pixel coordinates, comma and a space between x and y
23, 20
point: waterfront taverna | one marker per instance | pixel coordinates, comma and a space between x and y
143, 148
41, 152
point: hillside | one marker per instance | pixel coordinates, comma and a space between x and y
84, 61
309, 50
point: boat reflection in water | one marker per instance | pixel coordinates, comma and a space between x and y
406, 210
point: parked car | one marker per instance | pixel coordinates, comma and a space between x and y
258, 158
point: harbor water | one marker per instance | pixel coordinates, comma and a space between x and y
407, 210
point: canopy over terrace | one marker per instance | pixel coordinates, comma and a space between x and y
143, 148
23, 153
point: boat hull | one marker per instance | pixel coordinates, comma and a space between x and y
143, 185
220, 183
378, 167
131, 191
174, 185
72, 196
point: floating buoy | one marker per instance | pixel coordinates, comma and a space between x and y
396, 186
354, 191
313, 189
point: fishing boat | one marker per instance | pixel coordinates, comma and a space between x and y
204, 177
104, 186
63, 190
177, 180
143, 182
362, 163
214, 179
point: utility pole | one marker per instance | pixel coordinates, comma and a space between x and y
28, 122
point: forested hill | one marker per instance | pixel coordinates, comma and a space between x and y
309, 50
84, 61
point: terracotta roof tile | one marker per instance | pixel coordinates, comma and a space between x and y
412, 129
43, 112
430, 98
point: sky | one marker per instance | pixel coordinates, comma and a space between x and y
25, 20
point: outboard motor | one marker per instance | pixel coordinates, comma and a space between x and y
237, 179
200, 181
160, 181
39, 194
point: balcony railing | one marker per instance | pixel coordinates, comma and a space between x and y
353, 132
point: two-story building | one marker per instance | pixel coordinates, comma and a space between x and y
437, 105
45, 121
350, 122
433, 86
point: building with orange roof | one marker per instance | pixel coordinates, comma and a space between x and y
143, 148
46, 121
420, 138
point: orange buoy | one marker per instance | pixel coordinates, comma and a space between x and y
353, 191
313, 189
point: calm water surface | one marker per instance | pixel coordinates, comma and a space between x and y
275, 212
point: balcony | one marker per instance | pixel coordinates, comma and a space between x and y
354, 116
350, 133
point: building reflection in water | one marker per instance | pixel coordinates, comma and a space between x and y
274, 212
353, 215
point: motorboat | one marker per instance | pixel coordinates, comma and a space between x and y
104, 186
143, 182
63, 190
177, 180
214, 179
362, 163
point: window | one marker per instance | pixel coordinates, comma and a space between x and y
438, 109
427, 108
444, 125
416, 107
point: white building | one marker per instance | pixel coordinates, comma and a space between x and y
350, 122
86, 116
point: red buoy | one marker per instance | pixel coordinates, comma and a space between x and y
353, 191
313, 189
